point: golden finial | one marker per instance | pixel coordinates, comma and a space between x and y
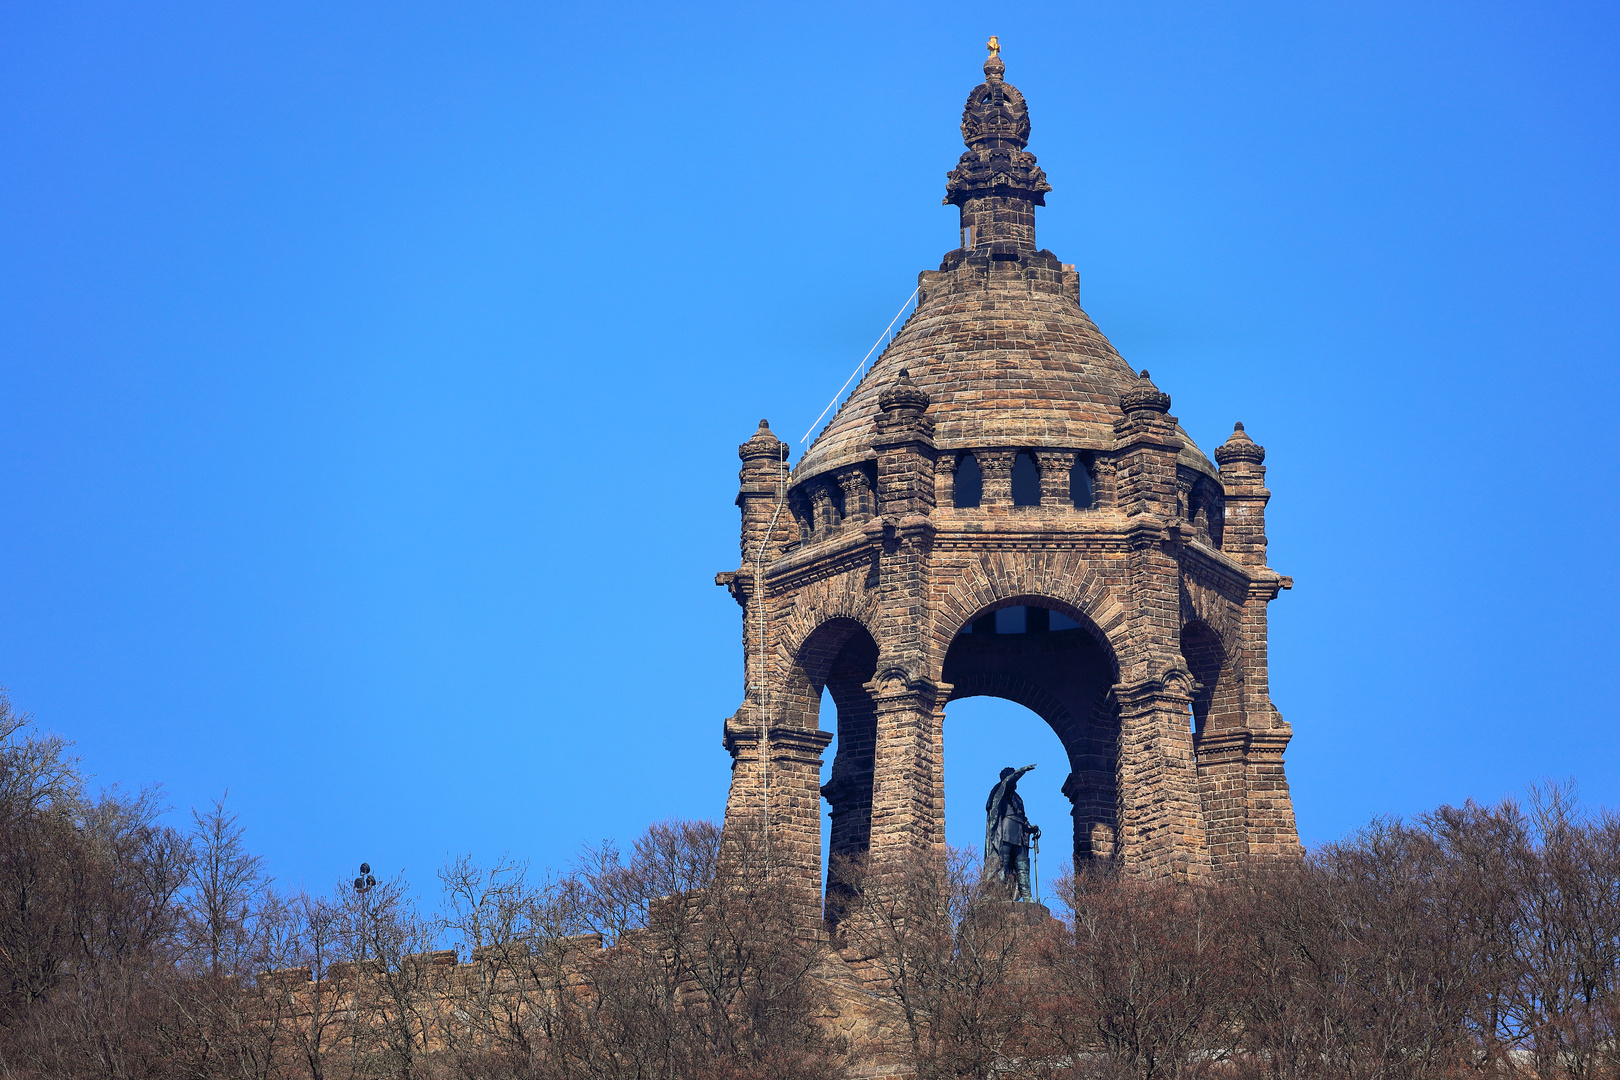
994, 45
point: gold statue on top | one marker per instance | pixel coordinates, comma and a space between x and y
994, 45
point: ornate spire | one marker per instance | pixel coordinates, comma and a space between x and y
995, 128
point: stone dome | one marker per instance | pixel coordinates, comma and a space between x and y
1003, 364
998, 342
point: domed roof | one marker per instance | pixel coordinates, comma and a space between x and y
1002, 366
998, 343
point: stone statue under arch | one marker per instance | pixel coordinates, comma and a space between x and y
1007, 835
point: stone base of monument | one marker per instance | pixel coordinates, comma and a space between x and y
1026, 915
871, 1023
1030, 911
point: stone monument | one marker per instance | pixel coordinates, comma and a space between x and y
1002, 506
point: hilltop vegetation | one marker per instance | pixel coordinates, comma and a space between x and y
1474, 941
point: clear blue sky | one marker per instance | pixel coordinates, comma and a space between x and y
373, 375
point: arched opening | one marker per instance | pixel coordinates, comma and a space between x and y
1080, 483
1042, 656
1026, 481
968, 490
983, 734
1206, 512
1215, 701
836, 663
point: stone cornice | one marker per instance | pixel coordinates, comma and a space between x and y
1102, 530
1242, 744
1267, 583
838, 547
1217, 568
786, 743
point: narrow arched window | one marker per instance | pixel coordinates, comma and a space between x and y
969, 487
1026, 481
1080, 484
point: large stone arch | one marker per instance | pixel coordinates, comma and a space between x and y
1220, 612
1066, 677
1063, 581
821, 611
1016, 689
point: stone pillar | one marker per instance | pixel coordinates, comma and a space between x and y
1055, 468
1270, 811
1253, 762
1223, 783
936, 762
763, 472
945, 480
906, 824
804, 516
903, 439
857, 490
1161, 814
905, 806
823, 512
996, 465
1104, 481
782, 792
1145, 459
1092, 790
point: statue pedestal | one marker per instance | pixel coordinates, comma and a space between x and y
1026, 919
1026, 912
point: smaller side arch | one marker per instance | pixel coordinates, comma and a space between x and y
1215, 699
840, 656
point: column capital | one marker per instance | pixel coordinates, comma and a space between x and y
894, 687
857, 487
1243, 744
1173, 687
804, 745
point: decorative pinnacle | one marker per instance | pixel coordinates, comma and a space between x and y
994, 69
903, 396
763, 444
1239, 447
1144, 395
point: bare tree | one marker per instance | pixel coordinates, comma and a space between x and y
960, 959
222, 896
1142, 981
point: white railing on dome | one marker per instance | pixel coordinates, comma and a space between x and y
860, 369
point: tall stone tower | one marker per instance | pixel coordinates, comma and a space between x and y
1003, 507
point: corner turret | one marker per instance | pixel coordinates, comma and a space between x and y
1243, 475
764, 468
